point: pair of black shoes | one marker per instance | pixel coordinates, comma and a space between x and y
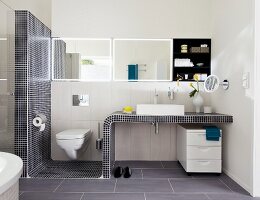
119, 171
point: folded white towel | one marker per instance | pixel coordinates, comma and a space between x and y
178, 62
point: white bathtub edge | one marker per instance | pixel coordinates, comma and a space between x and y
11, 172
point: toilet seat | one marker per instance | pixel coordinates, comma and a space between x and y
73, 134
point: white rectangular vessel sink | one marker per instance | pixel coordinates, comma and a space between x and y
159, 109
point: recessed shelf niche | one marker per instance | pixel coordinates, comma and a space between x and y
191, 56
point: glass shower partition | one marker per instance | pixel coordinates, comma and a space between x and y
7, 78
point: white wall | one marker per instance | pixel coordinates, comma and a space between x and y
233, 54
108, 97
256, 175
125, 19
40, 8
132, 18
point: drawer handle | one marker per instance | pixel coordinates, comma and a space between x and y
204, 162
203, 148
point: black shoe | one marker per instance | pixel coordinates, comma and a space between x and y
118, 172
127, 172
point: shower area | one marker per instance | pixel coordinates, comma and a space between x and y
7, 77
25, 92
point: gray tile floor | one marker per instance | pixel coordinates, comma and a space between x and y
150, 181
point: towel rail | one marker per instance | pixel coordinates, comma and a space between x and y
140, 65
140, 70
144, 70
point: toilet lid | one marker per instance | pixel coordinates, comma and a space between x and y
72, 134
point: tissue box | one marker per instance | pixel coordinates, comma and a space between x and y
199, 49
204, 49
195, 49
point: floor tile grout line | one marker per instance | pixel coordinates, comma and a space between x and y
171, 185
58, 185
107, 192
207, 196
82, 196
115, 186
146, 194
162, 164
225, 185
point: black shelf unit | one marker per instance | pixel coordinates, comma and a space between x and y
198, 57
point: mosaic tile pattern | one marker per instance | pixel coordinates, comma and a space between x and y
108, 133
32, 95
71, 169
32, 90
21, 86
39, 90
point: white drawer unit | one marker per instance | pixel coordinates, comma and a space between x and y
195, 153
199, 139
204, 166
203, 152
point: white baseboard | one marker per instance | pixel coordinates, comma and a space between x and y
238, 181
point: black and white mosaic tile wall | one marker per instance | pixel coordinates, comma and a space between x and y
21, 87
39, 90
33, 95
32, 90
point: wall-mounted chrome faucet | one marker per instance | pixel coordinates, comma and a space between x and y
171, 93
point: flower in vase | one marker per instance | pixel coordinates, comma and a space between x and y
195, 89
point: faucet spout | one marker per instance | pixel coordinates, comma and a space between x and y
171, 93
156, 127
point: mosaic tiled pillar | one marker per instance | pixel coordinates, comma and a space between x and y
32, 90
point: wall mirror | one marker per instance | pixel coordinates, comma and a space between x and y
81, 59
142, 59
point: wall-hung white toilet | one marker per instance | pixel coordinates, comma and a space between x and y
74, 142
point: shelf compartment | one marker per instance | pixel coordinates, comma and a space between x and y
195, 57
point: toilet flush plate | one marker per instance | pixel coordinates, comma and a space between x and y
80, 100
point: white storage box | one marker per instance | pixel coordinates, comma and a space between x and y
195, 152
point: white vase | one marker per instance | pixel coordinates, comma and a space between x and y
197, 101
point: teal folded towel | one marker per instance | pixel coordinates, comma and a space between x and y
212, 133
132, 72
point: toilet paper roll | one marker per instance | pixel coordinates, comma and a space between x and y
42, 127
40, 121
